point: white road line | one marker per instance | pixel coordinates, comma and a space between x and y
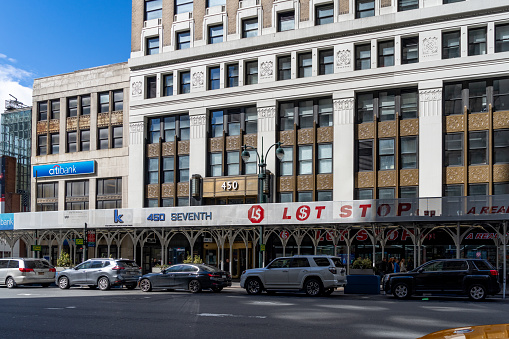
222, 315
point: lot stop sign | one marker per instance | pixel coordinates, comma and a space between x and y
256, 214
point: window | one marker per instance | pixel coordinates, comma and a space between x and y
117, 141
152, 46
477, 41
108, 192
167, 202
477, 97
249, 27
103, 138
324, 196
409, 192
286, 116
386, 53
454, 149
215, 34
500, 95
72, 107
364, 8
501, 38
304, 196
284, 67
85, 105
251, 72
183, 40
452, 99
171, 126
85, 140
216, 160
286, 164
184, 127
233, 118
154, 130
216, 124
214, 75
324, 14
406, 5
42, 145
386, 193
76, 189
410, 50
185, 82
233, 75
212, 3
118, 100
183, 168
365, 155
71, 142
306, 114
308, 111
285, 197
364, 194
477, 189
168, 169
451, 1
478, 148
55, 109
387, 105
324, 158
168, 85
153, 171
285, 21
104, 102
42, 108
501, 146
305, 160
47, 190
233, 163
251, 163
451, 45
408, 152
409, 102
250, 120
183, 6
363, 56
151, 87
55, 143
386, 154
183, 201
453, 190
365, 108
326, 61
325, 113
500, 188
153, 9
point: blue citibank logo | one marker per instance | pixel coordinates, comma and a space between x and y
70, 168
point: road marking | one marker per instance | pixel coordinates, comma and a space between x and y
222, 315
71, 307
27, 294
271, 303
54, 308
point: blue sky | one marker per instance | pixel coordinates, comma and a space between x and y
40, 38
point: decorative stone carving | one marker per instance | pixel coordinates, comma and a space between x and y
198, 120
343, 104
409, 127
478, 173
409, 177
183, 147
136, 88
365, 179
344, 58
198, 79
117, 118
430, 95
386, 129
153, 150
454, 175
305, 183
103, 119
325, 134
343, 111
84, 122
168, 190
324, 181
366, 131
251, 140
168, 149
286, 184
54, 125
306, 136
455, 123
386, 178
287, 137
136, 130
478, 121
266, 112
430, 46
233, 143
266, 69
72, 123
500, 173
42, 127
216, 144
183, 189
153, 191
501, 119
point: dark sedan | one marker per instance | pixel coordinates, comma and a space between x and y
191, 277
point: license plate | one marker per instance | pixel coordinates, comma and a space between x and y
224, 276
41, 273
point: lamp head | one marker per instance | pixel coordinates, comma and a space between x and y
280, 152
245, 155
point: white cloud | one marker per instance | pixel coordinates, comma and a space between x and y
9, 84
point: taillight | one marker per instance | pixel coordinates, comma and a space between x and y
214, 275
494, 272
244, 272
118, 268
26, 269
333, 270
52, 269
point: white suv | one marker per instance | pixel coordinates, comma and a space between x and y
315, 274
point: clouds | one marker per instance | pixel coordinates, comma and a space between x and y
10, 78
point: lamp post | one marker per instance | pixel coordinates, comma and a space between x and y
262, 176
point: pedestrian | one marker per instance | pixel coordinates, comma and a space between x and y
402, 265
390, 265
396, 266
410, 265
382, 267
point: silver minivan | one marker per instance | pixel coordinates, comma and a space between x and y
26, 271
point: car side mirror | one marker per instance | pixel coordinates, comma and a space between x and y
420, 270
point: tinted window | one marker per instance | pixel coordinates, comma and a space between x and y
337, 262
433, 266
127, 264
96, 264
483, 265
299, 262
176, 268
13, 264
322, 261
3, 263
84, 265
208, 268
455, 265
280, 263
188, 268
36, 264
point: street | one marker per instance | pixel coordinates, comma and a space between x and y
36, 312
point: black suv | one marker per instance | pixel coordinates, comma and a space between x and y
476, 278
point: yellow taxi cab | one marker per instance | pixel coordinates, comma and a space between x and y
499, 331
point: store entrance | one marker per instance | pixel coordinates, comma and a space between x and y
240, 257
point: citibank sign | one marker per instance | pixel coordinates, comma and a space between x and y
70, 168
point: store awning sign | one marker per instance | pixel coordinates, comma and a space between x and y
70, 168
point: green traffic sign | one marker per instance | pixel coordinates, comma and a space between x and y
78, 241
262, 247
36, 248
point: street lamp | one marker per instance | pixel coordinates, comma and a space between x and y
262, 175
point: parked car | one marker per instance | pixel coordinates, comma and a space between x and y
102, 273
191, 277
315, 274
26, 271
479, 331
476, 278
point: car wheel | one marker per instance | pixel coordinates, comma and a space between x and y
477, 292
130, 286
194, 286
63, 283
313, 287
216, 289
10, 282
145, 285
401, 291
253, 286
103, 283
45, 285
328, 292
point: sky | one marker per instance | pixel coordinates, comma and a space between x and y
40, 38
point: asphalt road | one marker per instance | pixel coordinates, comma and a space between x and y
36, 312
